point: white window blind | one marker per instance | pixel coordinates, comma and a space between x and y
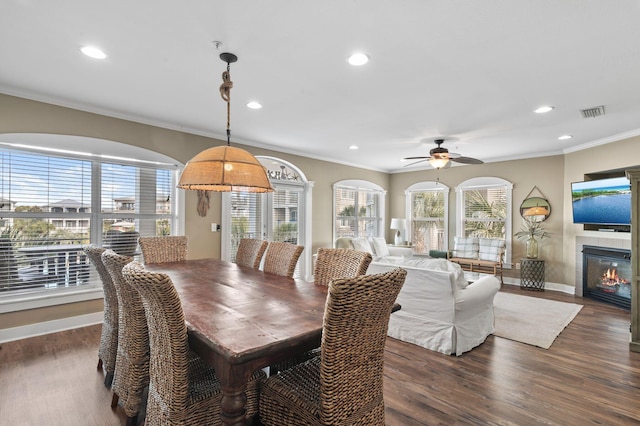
357, 212
428, 210
52, 206
46, 214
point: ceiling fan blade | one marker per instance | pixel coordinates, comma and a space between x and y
416, 158
467, 160
415, 162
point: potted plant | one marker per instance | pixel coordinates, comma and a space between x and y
531, 230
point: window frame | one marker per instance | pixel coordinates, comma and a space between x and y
358, 185
427, 186
38, 145
487, 182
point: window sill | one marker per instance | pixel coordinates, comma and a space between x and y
21, 302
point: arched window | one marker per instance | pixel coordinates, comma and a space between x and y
358, 209
428, 216
484, 210
283, 215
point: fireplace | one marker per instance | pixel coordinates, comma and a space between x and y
607, 275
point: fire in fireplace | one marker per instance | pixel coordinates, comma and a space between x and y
607, 274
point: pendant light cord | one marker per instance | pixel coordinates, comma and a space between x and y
225, 92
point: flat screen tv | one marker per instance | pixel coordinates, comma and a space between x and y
602, 201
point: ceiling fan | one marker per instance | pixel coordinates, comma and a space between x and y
439, 157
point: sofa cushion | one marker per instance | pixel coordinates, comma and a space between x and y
490, 249
465, 247
380, 246
362, 244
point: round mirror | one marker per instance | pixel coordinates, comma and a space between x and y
535, 209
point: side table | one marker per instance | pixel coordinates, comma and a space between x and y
532, 274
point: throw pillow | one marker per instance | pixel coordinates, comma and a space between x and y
465, 247
362, 244
380, 246
491, 249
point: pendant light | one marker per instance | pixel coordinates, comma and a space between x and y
225, 168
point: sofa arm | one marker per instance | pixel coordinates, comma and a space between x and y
478, 295
400, 251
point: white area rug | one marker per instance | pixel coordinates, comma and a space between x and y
531, 320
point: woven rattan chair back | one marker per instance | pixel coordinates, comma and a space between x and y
171, 248
344, 385
281, 258
183, 389
132, 363
108, 349
250, 252
333, 264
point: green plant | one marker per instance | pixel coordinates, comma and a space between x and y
531, 229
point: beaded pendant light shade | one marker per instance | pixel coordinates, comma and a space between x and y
225, 168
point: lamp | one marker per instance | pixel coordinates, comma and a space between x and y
225, 168
400, 225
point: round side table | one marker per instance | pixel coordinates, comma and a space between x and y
532, 274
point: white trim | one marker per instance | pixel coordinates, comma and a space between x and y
25, 301
47, 327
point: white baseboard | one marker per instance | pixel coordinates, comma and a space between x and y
564, 288
38, 329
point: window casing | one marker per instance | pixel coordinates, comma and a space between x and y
484, 210
358, 209
57, 204
428, 207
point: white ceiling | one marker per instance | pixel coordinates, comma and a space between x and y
469, 71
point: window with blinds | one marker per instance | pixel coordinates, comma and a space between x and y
357, 210
485, 212
483, 209
52, 206
428, 224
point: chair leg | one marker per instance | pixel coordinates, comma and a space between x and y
114, 400
99, 364
132, 421
108, 380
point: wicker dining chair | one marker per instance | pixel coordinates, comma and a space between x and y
332, 264
183, 389
170, 248
344, 385
250, 252
108, 348
131, 375
281, 258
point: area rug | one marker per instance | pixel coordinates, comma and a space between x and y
531, 320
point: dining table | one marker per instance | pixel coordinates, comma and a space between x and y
241, 319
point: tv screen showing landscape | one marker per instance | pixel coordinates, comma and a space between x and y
602, 201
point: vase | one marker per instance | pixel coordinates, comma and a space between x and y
532, 248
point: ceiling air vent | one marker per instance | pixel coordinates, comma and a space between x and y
592, 112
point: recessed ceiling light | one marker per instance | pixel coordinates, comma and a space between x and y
254, 105
358, 59
543, 109
353, 147
93, 52
565, 137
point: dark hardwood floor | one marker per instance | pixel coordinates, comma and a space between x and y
588, 376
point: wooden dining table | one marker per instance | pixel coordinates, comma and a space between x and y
240, 319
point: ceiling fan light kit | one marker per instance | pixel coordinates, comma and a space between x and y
440, 157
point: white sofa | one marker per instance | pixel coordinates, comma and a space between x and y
376, 246
439, 309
